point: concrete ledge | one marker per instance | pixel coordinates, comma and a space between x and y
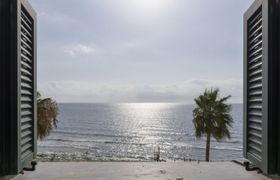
6, 177
140, 170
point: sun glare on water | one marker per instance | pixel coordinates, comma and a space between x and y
143, 111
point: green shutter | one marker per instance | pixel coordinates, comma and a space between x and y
261, 84
254, 86
27, 89
18, 110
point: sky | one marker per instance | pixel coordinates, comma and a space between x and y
139, 50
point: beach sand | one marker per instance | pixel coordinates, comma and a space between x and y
140, 170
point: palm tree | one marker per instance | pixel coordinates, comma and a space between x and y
47, 111
212, 117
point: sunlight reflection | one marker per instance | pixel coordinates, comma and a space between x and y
142, 111
147, 120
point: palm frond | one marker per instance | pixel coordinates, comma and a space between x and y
47, 112
212, 115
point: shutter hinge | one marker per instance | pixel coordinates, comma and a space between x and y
33, 167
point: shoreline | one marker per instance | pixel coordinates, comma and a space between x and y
83, 157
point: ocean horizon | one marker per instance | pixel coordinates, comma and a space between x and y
134, 131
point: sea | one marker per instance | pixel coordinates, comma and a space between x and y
135, 131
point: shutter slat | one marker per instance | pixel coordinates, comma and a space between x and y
26, 126
256, 140
26, 154
252, 148
26, 18
255, 45
256, 120
25, 140
25, 147
255, 133
23, 20
255, 93
26, 119
255, 59
25, 85
258, 23
255, 146
26, 52
26, 59
255, 86
255, 33
255, 52
255, 17
26, 65
255, 66
26, 71
26, 99
256, 72
255, 99
25, 133
25, 44
255, 113
25, 31
25, 38
255, 79
256, 39
255, 107
26, 92
255, 127
25, 78
26, 112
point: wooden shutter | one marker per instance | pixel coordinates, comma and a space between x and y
27, 131
254, 85
18, 110
261, 84
27, 86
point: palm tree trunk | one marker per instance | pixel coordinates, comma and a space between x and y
208, 147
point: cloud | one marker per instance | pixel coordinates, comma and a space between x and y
132, 44
56, 18
76, 91
79, 49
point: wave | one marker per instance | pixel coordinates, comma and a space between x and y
56, 156
92, 141
140, 134
97, 134
64, 156
220, 148
233, 142
78, 143
228, 148
62, 147
130, 143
